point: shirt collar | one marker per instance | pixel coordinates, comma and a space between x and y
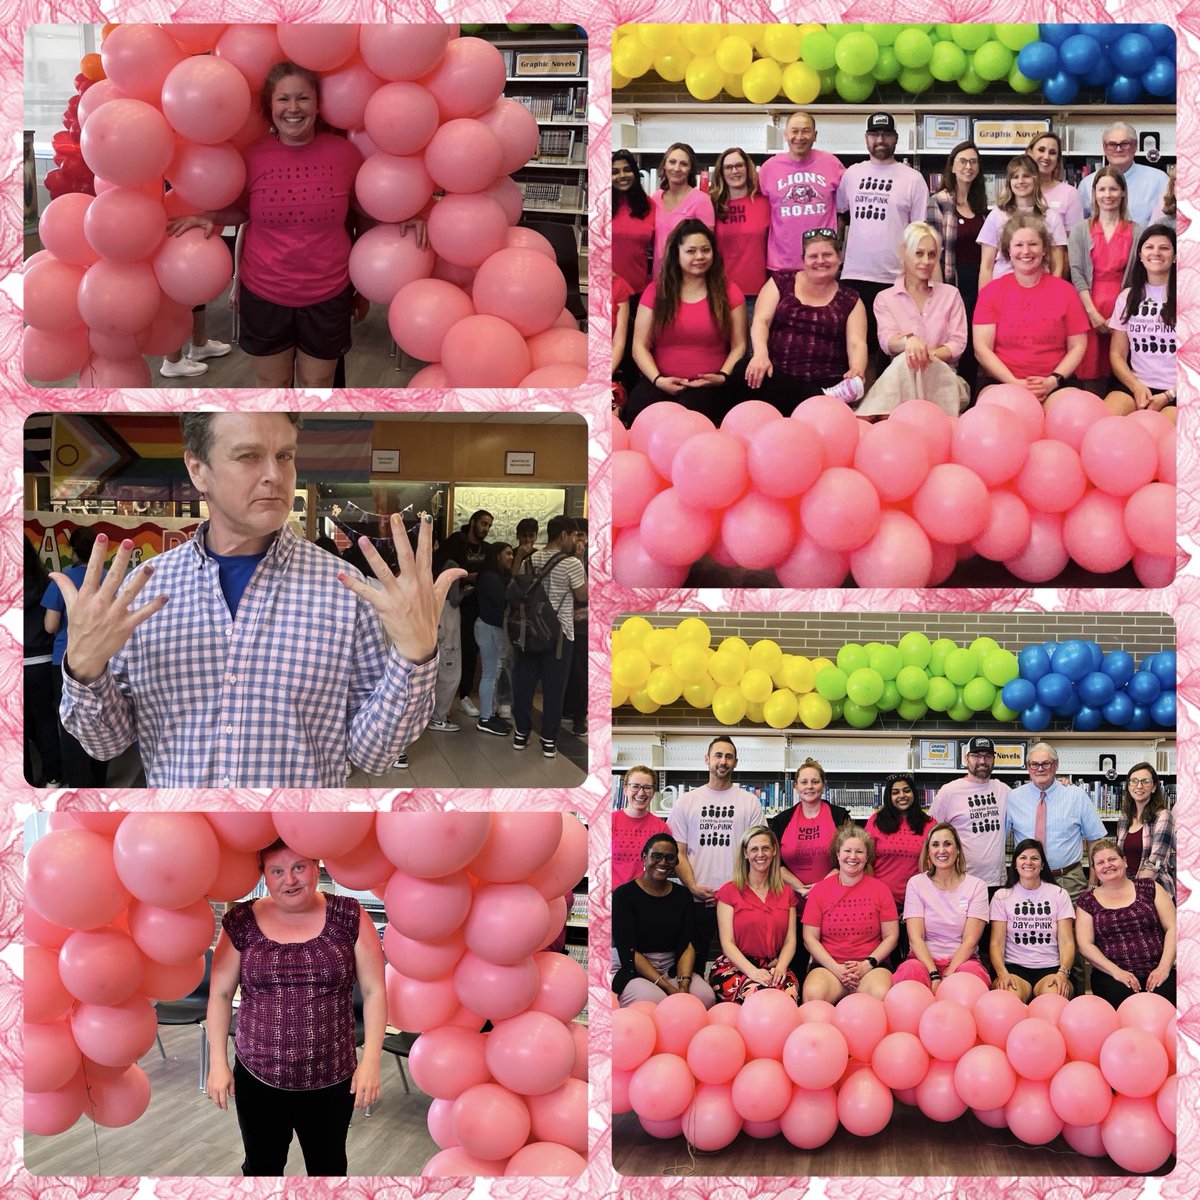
278, 552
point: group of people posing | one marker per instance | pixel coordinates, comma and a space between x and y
810, 902
804, 276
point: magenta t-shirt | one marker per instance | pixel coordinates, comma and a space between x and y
804, 848
802, 194
629, 835
1031, 922
1032, 324
692, 344
896, 855
621, 291
881, 202
742, 240
631, 239
945, 913
759, 926
296, 250
850, 918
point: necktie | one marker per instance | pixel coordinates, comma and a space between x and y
1039, 821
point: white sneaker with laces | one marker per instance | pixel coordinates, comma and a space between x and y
211, 349
469, 706
185, 368
443, 726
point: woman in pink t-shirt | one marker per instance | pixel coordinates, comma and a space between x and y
632, 222
899, 832
677, 198
850, 924
743, 218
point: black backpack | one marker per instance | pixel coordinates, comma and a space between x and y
530, 620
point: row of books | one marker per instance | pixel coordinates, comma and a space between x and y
564, 104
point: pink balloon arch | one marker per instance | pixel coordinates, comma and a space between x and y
118, 915
179, 106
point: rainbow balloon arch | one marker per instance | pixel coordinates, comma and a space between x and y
483, 304
118, 915
1102, 1078
918, 678
857, 63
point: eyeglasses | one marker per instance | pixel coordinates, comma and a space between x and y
1140, 783
667, 859
1044, 766
1128, 144
809, 234
640, 787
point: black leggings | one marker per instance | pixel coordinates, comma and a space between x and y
1106, 987
713, 402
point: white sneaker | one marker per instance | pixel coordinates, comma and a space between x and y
443, 726
210, 349
185, 368
469, 706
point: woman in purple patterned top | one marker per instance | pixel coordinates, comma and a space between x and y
296, 955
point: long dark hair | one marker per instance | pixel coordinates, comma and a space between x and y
492, 561
1138, 281
670, 281
977, 192
889, 817
719, 192
636, 198
1047, 875
1156, 803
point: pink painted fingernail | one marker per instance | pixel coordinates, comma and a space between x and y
127, 544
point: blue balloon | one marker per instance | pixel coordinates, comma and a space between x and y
1069, 708
1053, 689
1057, 34
1072, 659
1104, 34
1037, 60
1101, 74
1140, 719
1143, 688
1164, 668
1079, 54
1122, 90
1163, 711
1087, 720
1131, 53
1096, 653
1018, 694
1062, 88
1159, 80
1050, 648
1118, 666
1033, 662
1161, 37
1096, 689
1036, 718
1118, 710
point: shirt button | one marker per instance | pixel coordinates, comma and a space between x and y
233, 679
228, 728
226, 781
229, 631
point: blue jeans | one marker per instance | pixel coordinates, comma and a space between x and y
490, 640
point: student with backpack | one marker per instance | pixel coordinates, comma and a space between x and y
541, 626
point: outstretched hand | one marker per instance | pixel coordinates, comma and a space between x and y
410, 603
99, 622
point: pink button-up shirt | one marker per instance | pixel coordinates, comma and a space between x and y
943, 323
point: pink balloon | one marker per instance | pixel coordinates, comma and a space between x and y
489, 1121
70, 879
1147, 1011
345, 94
996, 1014
426, 960
163, 981
1030, 1115
841, 510
468, 79
170, 327
1134, 1137
517, 845
1150, 519
438, 1121
128, 142
947, 1030
1134, 1062
962, 987
1048, 1007
711, 1121
400, 118
427, 909
253, 49
530, 1054
1080, 1094
51, 288
545, 1159
661, 430
101, 92
952, 504
555, 375
117, 347
516, 128
493, 991
761, 1090
1118, 457
1071, 414
243, 830
762, 1129
835, 425
206, 99
1084, 1139
811, 565
1023, 404
558, 346
1045, 556
47, 357
1094, 533
562, 986
61, 229
811, 1118
759, 530
51, 1056
904, 1004
1036, 1049
485, 351
433, 844
211, 177
1085, 1023
404, 51
864, 1104
318, 47
464, 156
673, 532
634, 566
661, 1088
195, 39
237, 875
100, 966
507, 922
125, 224
1052, 479
419, 1005
899, 1060
41, 932
988, 442
138, 58
313, 835
524, 287
765, 1020
48, 1113
1008, 527
935, 1095
1155, 423
117, 1034
560, 1116
863, 1021
422, 310
432, 376
508, 195
1165, 1102
362, 868
815, 1054
744, 420
633, 1038
782, 458
171, 935
984, 1078
124, 373
456, 1161
520, 238
446, 1061
393, 187
620, 1092
166, 859
933, 424
717, 1053
253, 129
119, 1101
467, 229
678, 1019
894, 457
993, 1118
580, 1035
46, 999
898, 555
1167, 469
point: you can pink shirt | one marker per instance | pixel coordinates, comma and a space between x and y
742, 240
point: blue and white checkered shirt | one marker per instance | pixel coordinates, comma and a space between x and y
279, 696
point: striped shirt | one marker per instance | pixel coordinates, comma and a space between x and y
278, 696
560, 582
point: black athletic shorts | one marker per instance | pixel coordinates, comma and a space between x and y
319, 330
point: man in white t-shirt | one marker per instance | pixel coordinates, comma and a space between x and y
708, 823
974, 805
1145, 184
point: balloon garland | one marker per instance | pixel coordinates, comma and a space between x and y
864, 684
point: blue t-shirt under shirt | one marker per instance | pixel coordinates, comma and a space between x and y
235, 571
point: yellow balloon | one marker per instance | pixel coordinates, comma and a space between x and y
734, 54
780, 709
801, 84
779, 675
704, 78
694, 632
728, 705
815, 711
735, 645
700, 694
805, 30
819, 664
657, 37
631, 57
619, 80
754, 712
762, 82
631, 668
801, 675
726, 669
633, 632
689, 663
620, 694
642, 702
767, 655
700, 39
733, 85
783, 42
755, 685
659, 646
615, 644
663, 687
757, 36
671, 64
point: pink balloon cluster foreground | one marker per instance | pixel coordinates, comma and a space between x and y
821, 495
1103, 1079
484, 305
118, 915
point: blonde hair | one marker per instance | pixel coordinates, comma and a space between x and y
741, 868
925, 863
846, 833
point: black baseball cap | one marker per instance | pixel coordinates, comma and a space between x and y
881, 122
981, 745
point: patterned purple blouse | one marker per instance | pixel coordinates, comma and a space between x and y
1131, 937
807, 342
295, 1025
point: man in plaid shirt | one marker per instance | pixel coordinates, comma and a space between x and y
260, 660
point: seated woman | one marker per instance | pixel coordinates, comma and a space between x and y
810, 330
1126, 929
756, 921
652, 952
899, 832
1146, 828
1030, 328
945, 911
1032, 944
1143, 346
690, 329
923, 328
850, 924
1021, 193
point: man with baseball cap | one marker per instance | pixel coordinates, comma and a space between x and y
975, 806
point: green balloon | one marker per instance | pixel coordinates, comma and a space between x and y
979, 695
983, 646
912, 683
914, 48
864, 687
852, 657
941, 694
890, 700
1021, 84
860, 716
887, 660
1001, 711
854, 89
992, 61
837, 32
915, 649
912, 710
971, 83
518, 28
828, 81
915, 80
831, 683
1015, 36
944, 33
884, 35
836, 709
961, 667
937, 659
948, 62
1000, 667
960, 712
470, 28
871, 647
819, 50
970, 37
887, 69
857, 53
